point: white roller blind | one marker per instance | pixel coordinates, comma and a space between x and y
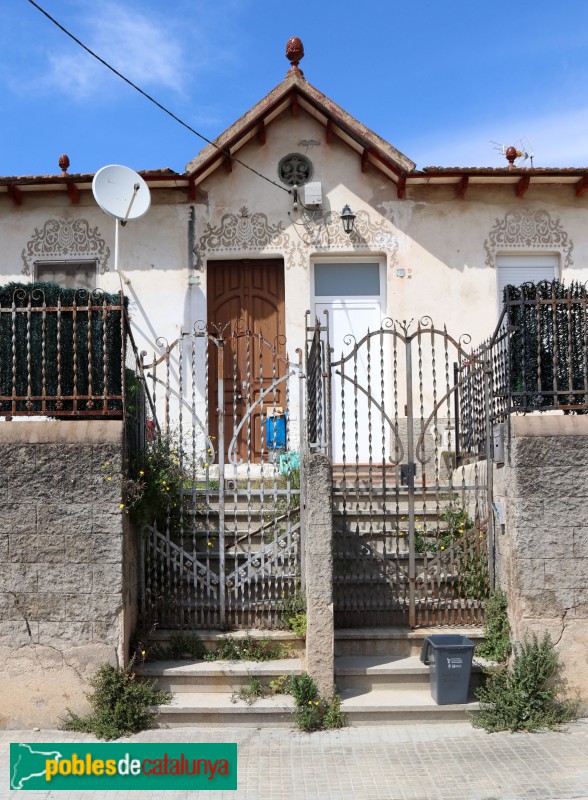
71, 274
517, 269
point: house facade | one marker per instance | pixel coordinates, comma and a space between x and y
225, 275
265, 242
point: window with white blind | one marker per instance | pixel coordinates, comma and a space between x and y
519, 268
71, 274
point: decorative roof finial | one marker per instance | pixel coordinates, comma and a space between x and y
64, 163
511, 154
294, 54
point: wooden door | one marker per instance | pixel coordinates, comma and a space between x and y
246, 302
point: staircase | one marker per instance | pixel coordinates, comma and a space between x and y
206, 692
377, 673
371, 555
381, 679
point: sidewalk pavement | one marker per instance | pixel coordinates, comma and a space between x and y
395, 762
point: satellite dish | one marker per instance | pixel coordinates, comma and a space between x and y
121, 193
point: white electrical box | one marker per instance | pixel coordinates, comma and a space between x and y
313, 193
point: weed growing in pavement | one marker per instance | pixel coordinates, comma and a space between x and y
247, 649
314, 713
528, 694
121, 704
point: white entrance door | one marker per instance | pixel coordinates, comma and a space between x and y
352, 293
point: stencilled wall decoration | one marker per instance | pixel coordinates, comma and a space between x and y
325, 233
65, 238
528, 230
246, 232
242, 231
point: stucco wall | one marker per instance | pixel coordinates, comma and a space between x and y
542, 550
438, 248
67, 566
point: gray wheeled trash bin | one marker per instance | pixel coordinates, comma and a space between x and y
449, 657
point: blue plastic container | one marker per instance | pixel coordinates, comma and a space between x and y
275, 432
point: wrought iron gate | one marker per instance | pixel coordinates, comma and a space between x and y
224, 550
411, 499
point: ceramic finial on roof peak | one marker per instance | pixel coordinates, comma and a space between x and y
64, 163
294, 54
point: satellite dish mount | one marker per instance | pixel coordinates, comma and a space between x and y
123, 195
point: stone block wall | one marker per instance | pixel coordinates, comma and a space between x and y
542, 550
67, 565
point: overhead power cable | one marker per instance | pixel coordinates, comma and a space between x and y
152, 99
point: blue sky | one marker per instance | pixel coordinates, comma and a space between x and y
439, 80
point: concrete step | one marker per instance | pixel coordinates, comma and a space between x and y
375, 689
391, 707
393, 641
206, 677
385, 673
290, 640
216, 709
362, 707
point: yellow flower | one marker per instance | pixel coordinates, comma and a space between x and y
206, 464
107, 463
122, 505
109, 478
142, 652
316, 702
141, 472
310, 702
167, 488
210, 544
442, 547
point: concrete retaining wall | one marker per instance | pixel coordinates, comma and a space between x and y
542, 550
67, 565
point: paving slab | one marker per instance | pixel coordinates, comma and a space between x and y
405, 762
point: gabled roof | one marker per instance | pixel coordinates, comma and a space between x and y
295, 93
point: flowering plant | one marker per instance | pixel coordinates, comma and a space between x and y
152, 488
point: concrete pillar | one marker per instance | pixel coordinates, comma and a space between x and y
318, 569
542, 550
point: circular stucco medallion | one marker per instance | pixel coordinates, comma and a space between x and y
295, 169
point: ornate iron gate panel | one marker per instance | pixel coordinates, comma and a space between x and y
225, 550
412, 510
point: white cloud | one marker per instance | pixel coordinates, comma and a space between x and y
560, 139
144, 48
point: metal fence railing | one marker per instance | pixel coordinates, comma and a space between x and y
536, 359
62, 352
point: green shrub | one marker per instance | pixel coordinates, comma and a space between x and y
152, 488
247, 649
293, 613
120, 704
496, 645
528, 695
182, 645
314, 713
334, 717
311, 716
303, 689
